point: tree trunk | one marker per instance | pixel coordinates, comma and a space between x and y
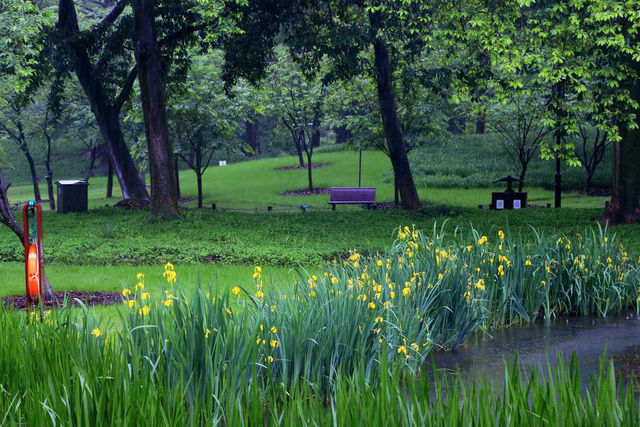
123, 165
93, 153
34, 176
481, 126
625, 197
342, 134
164, 199
557, 187
587, 180
391, 124
177, 171
296, 140
199, 181
49, 177
52, 200
109, 181
107, 116
523, 172
315, 136
310, 169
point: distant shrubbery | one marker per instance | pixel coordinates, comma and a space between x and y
470, 161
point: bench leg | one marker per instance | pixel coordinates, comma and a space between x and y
333, 206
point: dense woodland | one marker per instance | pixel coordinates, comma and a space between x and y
140, 86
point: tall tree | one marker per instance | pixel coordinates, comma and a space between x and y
106, 81
164, 196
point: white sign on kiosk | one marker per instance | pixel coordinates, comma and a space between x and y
517, 204
499, 204
222, 163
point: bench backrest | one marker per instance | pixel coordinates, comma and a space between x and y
353, 194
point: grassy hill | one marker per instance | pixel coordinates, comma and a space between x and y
252, 185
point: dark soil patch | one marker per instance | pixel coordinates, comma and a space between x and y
18, 302
313, 166
306, 192
384, 205
132, 204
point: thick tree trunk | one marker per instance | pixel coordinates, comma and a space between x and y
625, 197
123, 165
106, 115
164, 199
391, 124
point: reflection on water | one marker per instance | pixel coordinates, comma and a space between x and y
538, 343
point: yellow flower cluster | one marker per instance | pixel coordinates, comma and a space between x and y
257, 277
169, 273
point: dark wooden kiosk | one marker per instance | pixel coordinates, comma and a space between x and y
508, 199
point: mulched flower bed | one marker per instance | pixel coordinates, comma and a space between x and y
131, 204
313, 166
18, 302
306, 192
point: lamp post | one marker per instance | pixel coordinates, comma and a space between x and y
360, 166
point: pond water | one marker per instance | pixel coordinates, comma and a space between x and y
537, 344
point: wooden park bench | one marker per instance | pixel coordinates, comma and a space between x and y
352, 196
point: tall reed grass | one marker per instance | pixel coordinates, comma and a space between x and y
345, 345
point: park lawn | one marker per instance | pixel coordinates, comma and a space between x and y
111, 236
241, 233
253, 185
116, 278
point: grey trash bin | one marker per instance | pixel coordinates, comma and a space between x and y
72, 196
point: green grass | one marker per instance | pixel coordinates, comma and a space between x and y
110, 236
252, 185
114, 278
